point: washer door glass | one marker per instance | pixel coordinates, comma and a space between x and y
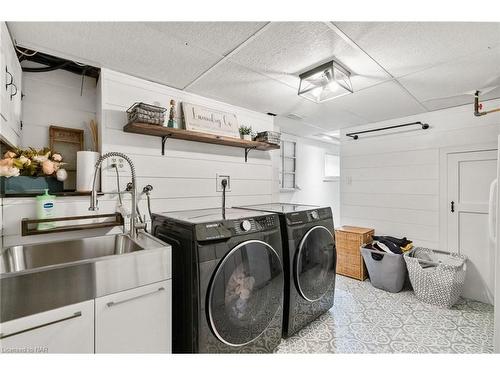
245, 293
315, 263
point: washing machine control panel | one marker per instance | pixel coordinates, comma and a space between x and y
255, 224
229, 228
245, 225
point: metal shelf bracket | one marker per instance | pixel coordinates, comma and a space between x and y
163, 141
247, 150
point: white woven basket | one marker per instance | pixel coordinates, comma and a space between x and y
437, 276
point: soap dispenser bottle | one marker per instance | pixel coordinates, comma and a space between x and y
45, 206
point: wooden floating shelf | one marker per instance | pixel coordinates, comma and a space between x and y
189, 135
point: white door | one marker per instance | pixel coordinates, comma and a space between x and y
135, 321
69, 329
470, 175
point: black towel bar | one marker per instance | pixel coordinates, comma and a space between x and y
355, 135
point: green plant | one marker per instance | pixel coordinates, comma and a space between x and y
245, 130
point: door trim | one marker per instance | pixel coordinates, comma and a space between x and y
443, 183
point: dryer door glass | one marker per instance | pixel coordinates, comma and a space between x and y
315, 263
245, 293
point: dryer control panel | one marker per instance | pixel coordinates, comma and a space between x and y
308, 216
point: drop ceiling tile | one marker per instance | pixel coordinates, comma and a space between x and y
236, 85
129, 47
286, 49
454, 83
407, 47
327, 115
295, 127
382, 102
217, 37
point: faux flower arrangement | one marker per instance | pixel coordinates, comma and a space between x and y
34, 163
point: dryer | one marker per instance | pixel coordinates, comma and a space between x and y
310, 259
228, 279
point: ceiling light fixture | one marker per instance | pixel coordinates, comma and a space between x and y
325, 82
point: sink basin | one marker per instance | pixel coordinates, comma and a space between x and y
45, 276
26, 257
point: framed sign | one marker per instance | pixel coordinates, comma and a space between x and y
68, 142
206, 120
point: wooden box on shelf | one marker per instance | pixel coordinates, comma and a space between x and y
348, 242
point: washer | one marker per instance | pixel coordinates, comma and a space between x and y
228, 280
310, 260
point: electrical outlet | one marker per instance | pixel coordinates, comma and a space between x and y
120, 163
219, 178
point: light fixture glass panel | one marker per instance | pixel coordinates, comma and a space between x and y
325, 82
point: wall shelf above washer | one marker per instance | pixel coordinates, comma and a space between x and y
189, 135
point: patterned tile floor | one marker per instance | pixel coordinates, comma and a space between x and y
368, 320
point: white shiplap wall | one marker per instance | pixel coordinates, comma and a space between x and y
390, 181
56, 98
185, 178
182, 179
312, 188
51, 98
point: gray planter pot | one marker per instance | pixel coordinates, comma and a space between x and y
29, 185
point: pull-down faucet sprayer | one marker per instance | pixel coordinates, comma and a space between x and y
134, 226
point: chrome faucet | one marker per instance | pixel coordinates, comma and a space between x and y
134, 226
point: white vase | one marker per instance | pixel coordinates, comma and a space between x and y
247, 137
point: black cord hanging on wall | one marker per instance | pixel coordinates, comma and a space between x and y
355, 135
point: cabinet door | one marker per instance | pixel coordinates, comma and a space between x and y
16, 94
10, 89
5, 74
135, 321
69, 329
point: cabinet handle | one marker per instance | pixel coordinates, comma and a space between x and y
11, 79
111, 304
75, 315
15, 93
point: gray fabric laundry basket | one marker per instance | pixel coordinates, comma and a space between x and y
387, 271
437, 277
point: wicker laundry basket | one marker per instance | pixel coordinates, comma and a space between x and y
437, 276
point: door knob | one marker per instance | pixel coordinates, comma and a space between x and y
452, 206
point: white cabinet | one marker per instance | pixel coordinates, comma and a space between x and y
69, 329
10, 89
135, 321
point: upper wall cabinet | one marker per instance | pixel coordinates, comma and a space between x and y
10, 88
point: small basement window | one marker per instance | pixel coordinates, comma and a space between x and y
332, 167
288, 173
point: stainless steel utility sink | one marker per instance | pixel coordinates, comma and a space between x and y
26, 257
45, 276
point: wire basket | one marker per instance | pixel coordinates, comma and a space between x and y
146, 113
269, 137
437, 276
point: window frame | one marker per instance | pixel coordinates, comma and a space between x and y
330, 178
282, 171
